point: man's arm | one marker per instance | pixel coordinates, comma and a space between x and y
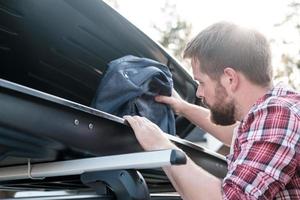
190, 181
194, 183
199, 116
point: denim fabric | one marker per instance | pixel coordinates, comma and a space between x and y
129, 86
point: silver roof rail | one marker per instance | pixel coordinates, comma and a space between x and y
141, 160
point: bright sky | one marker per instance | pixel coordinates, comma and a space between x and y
259, 14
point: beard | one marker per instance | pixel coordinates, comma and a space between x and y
223, 115
221, 112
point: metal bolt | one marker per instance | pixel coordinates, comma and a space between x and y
76, 122
91, 126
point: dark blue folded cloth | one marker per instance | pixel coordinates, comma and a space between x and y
129, 86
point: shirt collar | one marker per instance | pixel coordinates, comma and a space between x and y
279, 89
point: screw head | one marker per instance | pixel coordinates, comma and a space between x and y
76, 122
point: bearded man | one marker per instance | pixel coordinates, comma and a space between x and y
259, 120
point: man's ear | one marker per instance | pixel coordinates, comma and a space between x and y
231, 78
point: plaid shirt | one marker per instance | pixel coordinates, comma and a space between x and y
265, 163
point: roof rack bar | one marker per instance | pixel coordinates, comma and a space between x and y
141, 160
65, 197
91, 196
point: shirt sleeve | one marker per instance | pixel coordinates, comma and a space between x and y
266, 158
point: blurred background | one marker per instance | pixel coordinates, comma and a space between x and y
173, 22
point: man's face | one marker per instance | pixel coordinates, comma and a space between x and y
215, 97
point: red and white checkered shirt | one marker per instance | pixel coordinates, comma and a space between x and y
265, 163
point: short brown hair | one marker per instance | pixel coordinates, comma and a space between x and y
224, 45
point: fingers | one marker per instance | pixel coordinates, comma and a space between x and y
136, 122
133, 122
148, 134
164, 99
141, 124
168, 99
173, 101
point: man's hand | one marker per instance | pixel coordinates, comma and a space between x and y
175, 101
149, 135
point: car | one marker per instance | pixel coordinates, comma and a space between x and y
53, 54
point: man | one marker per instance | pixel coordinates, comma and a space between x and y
233, 68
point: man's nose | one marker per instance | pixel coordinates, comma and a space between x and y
199, 92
